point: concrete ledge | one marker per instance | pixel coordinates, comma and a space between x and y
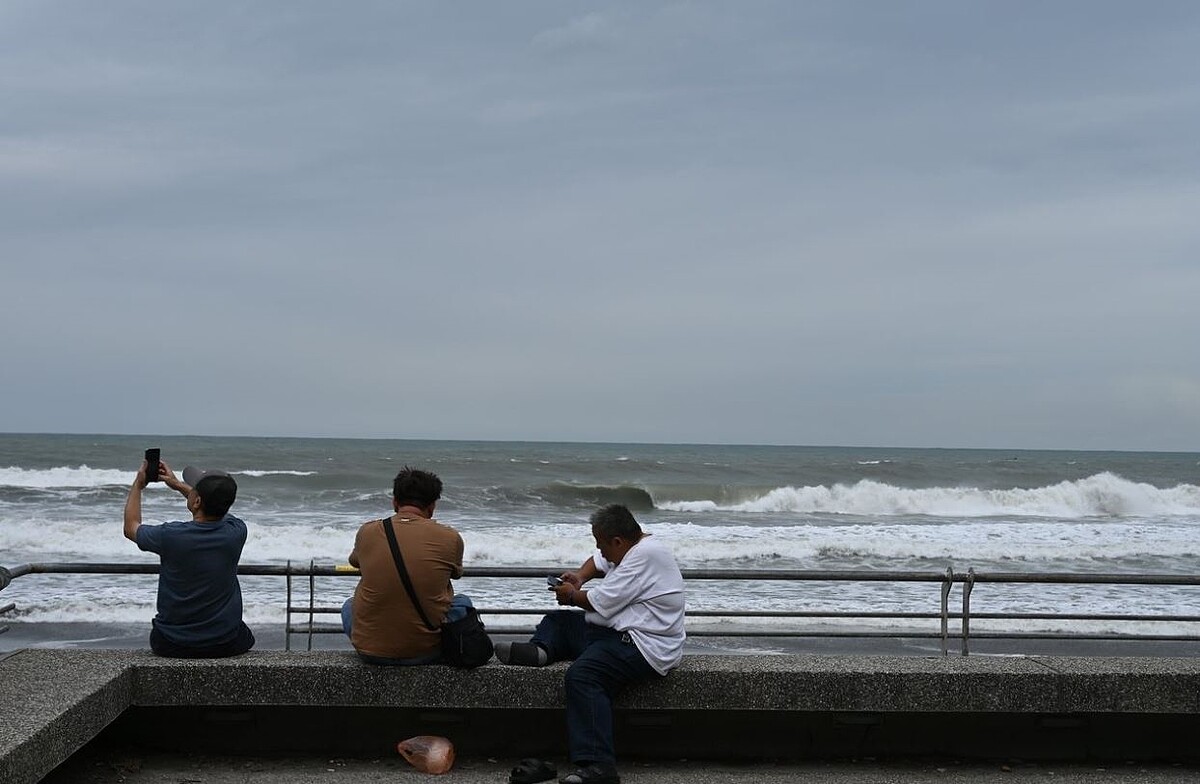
51, 705
55, 701
807, 683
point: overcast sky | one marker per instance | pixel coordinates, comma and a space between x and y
960, 224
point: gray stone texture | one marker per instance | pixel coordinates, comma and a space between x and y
55, 701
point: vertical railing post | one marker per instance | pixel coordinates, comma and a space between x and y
312, 592
287, 620
949, 581
968, 586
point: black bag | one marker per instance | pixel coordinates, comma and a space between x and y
465, 642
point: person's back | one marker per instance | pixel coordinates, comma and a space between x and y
386, 624
381, 619
199, 596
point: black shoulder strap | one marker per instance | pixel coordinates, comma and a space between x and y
408, 586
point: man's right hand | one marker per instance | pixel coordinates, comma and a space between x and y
166, 475
168, 478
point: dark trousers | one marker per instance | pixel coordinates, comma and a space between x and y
605, 662
242, 642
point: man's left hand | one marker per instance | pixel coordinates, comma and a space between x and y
565, 594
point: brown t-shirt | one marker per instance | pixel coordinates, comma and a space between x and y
384, 621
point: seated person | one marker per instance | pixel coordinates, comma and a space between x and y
380, 619
199, 597
631, 630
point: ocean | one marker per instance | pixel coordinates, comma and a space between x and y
718, 507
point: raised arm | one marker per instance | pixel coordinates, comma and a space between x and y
133, 504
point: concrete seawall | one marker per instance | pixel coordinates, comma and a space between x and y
55, 701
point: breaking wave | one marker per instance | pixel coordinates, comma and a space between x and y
1100, 495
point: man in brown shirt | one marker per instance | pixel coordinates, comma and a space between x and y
380, 619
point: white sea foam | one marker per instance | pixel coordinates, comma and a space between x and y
273, 473
82, 477
1101, 495
972, 542
63, 476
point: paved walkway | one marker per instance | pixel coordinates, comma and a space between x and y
107, 766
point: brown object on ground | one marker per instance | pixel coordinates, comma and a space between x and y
428, 753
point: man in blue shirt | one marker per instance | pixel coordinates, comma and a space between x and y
199, 597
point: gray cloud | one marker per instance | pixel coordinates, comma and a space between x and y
945, 224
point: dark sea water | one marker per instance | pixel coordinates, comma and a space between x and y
526, 504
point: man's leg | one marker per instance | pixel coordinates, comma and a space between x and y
458, 608
610, 662
242, 641
560, 636
347, 615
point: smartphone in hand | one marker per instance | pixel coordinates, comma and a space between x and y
152, 458
553, 581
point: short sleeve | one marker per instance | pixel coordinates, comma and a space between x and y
149, 538
457, 570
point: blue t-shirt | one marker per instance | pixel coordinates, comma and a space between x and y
199, 597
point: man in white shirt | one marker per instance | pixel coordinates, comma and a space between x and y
631, 630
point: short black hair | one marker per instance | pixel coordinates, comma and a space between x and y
217, 493
615, 520
414, 487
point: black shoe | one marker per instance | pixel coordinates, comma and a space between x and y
531, 771
524, 654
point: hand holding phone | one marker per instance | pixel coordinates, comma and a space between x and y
152, 463
553, 581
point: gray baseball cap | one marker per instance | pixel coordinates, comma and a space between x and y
192, 475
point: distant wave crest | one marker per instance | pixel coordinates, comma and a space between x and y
274, 473
63, 476
86, 477
636, 498
1100, 495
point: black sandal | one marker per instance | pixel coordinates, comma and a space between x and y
592, 774
532, 770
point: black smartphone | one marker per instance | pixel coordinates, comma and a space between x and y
553, 581
152, 456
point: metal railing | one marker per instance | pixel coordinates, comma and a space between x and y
308, 609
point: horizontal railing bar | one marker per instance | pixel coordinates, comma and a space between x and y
295, 610
1079, 636
902, 634
1072, 578
330, 629
1046, 616
345, 570
298, 610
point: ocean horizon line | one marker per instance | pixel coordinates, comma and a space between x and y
584, 442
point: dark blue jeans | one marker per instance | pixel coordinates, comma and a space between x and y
242, 641
605, 662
